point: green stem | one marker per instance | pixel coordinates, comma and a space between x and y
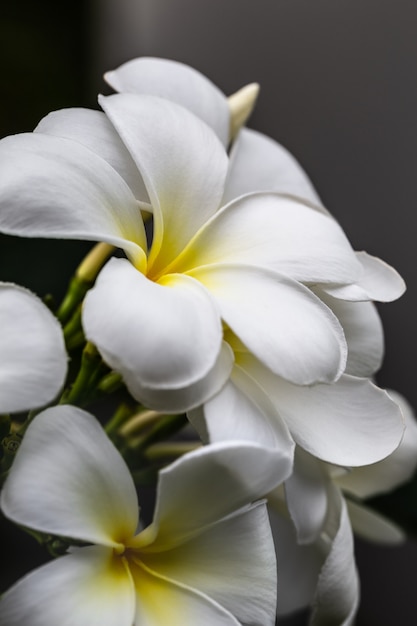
166, 426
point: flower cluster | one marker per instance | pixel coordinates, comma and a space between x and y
236, 315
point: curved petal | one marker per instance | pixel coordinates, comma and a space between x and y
89, 587
306, 496
242, 411
232, 562
186, 398
277, 232
68, 479
336, 423
337, 595
378, 281
54, 187
93, 130
279, 320
33, 362
258, 163
177, 82
161, 601
363, 332
298, 565
168, 335
396, 469
373, 526
206, 485
182, 163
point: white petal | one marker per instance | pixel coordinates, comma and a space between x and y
33, 362
279, 320
163, 602
177, 82
373, 526
232, 562
337, 423
242, 411
363, 332
167, 336
298, 565
277, 232
54, 187
89, 587
337, 596
186, 398
68, 479
306, 495
207, 485
94, 131
391, 472
378, 281
182, 163
258, 163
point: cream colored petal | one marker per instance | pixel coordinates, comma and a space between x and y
93, 130
177, 82
279, 320
391, 472
363, 332
163, 602
232, 562
258, 163
90, 587
204, 486
373, 526
276, 232
166, 336
57, 188
68, 479
182, 163
33, 361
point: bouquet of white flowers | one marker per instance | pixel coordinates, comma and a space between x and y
225, 317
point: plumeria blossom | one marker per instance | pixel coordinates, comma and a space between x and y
206, 558
312, 521
157, 317
33, 361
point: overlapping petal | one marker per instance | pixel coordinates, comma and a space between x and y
69, 480
258, 163
228, 474
279, 320
378, 281
363, 331
174, 334
396, 469
348, 412
33, 360
177, 82
242, 411
55, 187
86, 588
298, 565
372, 526
161, 601
281, 233
306, 496
182, 163
93, 130
219, 547
337, 594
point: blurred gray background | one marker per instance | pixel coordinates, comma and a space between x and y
338, 89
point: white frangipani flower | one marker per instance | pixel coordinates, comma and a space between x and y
33, 361
157, 317
321, 574
207, 558
312, 521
